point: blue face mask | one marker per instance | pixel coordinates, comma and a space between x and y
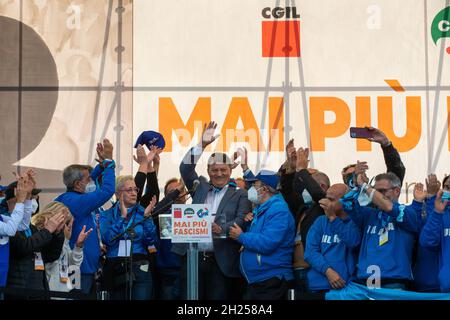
363, 199
90, 187
446, 195
253, 195
307, 199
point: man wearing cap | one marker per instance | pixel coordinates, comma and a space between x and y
219, 259
268, 244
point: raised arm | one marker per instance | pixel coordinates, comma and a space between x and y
189, 162
431, 233
304, 178
392, 158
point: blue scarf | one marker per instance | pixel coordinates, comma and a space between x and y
231, 183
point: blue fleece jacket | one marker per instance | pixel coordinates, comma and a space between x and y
436, 234
81, 205
426, 268
393, 257
269, 243
112, 224
331, 245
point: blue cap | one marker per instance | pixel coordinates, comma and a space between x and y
3, 188
267, 177
151, 138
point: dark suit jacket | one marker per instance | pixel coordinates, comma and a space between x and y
234, 206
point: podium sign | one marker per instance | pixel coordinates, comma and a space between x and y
191, 223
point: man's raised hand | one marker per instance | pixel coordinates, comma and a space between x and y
208, 136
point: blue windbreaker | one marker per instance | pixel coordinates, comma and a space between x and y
393, 257
436, 234
81, 205
426, 268
112, 224
331, 245
4, 258
269, 243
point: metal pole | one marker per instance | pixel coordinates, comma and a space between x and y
192, 272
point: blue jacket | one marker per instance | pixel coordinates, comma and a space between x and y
165, 258
4, 258
436, 234
112, 224
269, 244
426, 268
393, 257
331, 245
82, 206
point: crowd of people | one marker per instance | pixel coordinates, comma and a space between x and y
272, 231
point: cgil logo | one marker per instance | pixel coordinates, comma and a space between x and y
280, 12
177, 213
440, 27
280, 38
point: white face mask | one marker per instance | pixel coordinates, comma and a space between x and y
307, 199
253, 195
34, 205
90, 187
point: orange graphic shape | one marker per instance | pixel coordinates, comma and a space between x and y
281, 38
394, 84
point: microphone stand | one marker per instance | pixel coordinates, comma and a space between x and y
132, 234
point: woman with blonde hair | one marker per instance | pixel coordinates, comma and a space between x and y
58, 271
113, 222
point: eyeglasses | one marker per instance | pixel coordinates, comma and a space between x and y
383, 191
130, 190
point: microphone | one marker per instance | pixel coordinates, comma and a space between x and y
195, 186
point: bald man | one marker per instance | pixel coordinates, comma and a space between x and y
331, 244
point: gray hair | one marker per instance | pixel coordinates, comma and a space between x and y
73, 173
271, 190
120, 181
391, 177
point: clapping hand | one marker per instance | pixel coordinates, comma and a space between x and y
433, 185
104, 150
302, 161
439, 206
420, 194
140, 157
149, 209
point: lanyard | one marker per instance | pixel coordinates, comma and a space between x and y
384, 222
28, 232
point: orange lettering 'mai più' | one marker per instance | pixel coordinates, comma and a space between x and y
386, 122
170, 121
321, 130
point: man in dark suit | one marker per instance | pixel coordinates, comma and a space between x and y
219, 259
